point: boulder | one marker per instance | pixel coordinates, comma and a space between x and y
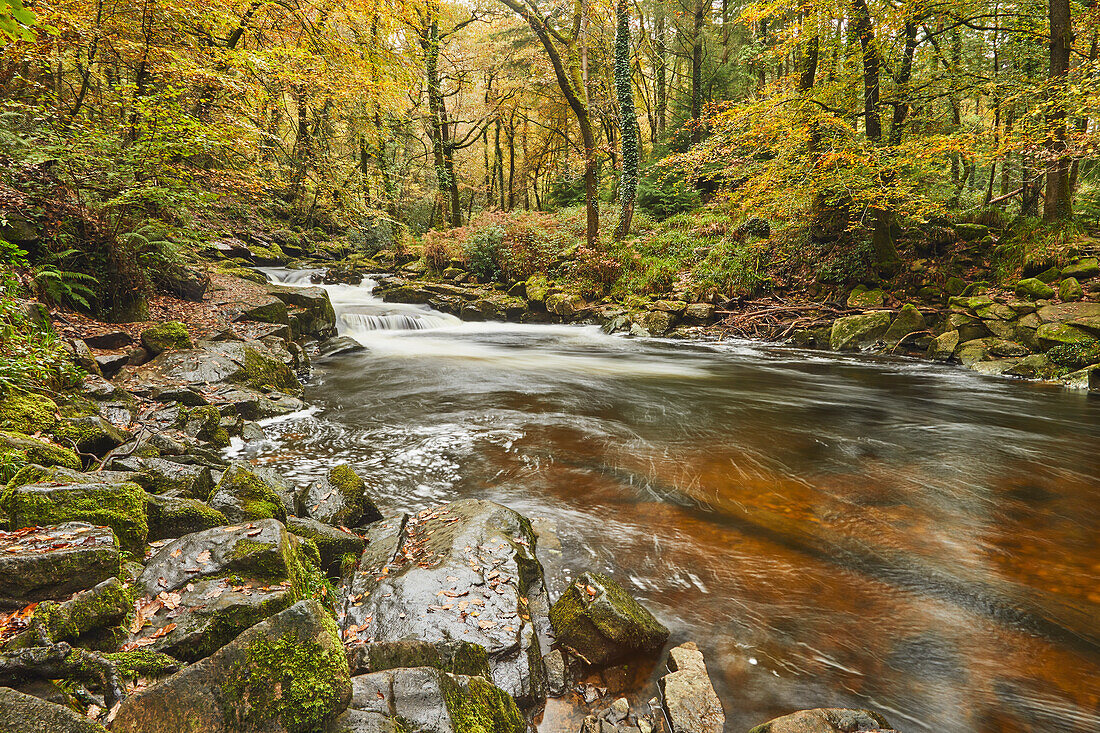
110, 362
287, 673
109, 340
264, 309
459, 657
246, 363
91, 434
656, 322
312, 308
80, 618
52, 563
37, 450
565, 305
908, 323
1036, 366
1007, 349
1070, 290
998, 311
599, 622
1082, 269
27, 412
1089, 324
203, 423
261, 550
182, 281
699, 313
1034, 288
242, 496
1065, 312
861, 297
58, 475
974, 351
1056, 334
690, 702
827, 720
426, 700
170, 517
971, 232
165, 336
464, 572
536, 289
954, 286
170, 478
337, 547
670, 306
25, 713
852, 333
120, 506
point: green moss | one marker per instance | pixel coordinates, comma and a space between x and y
204, 423
460, 657
481, 707
165, 336
39, 451
175, 517
264, 371
250, 495
118, 506
289, 680
143, 663
27, 412
1076, 355
103, 605
73, 405
227, 623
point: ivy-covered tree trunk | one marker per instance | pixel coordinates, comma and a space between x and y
628, 119
1058, 201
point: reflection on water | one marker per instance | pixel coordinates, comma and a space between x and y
832, 530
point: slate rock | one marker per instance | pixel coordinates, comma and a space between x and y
339, 498
52, 563
827, 720
333, 545
119, 506
690, 701
28, 714
243, 496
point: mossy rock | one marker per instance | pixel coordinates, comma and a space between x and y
26, 713
242, 496
1070, 290
27, 412
266, 309
1057, 334
89, 611
120, 506
91, 434
52, 563
339, 499
971, 232
825, 720
851, 333
453, 657
1049, 275
1076, 355
37, 450
1034, 289
954, 286
204, 423
599, 622
1082, 269
143, 663
1035, 366
165, 336
909, 322
862, 297
170, 517
333, 544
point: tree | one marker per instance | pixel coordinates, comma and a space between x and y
628, 118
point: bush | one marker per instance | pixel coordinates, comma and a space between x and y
483, 253
566, 191
663, 192
594, 271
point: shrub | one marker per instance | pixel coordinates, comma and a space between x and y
663, 192
594, 271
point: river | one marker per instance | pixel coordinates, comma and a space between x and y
833, 530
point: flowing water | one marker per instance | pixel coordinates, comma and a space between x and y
832, 530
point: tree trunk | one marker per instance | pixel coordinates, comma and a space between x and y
697, 70
872, 65
628, 119
1059, 203
660, 68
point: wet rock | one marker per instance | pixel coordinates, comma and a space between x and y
57, 475
37, 450
426, 700
287, 673
1088, 324
1070, 290
312, 308
1065, 312
852, 333
27, 412
246, 363
1036, 366
337, 547
165, 336
339, 345
118, 506
91, 434
171, 517
1034, 289
969, 327
656, 322
599, 622
972, 352
52, 563
185, 282
826, 720
998, 311
110, 363
690, 701
203, 423
555, 673
1082, 269
243, 496
25, 713
1007, 349
261, 550
338, 499
565, 305
109, 340
459, 657
264, 309
908, 323
699, 313
466, 571
861, 297
161, 476
79, 619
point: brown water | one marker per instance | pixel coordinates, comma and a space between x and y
832, 530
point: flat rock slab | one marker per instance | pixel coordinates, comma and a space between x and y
52, 563
247, 363
465, 572
119, 506
690, 701
260, 549
827, 720
27, 714
426, 700
285, 674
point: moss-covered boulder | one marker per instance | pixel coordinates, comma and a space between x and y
1082, 269
1057, 334
852, 333
954, 286
243, 496
35, 474
1070, 290
862, 297
337, 548
311, 306
161, 476
27, 412
91, 434
170, 516
456, 657
83, 619
120, 506
248, 363
908, 324
1034, 289
165, 336
599, 622
26, 713
1035, 366
426, 700
1076, 355
339, 499
266, 309
22, 449
287, 673
52, 563
204, 423
826, 720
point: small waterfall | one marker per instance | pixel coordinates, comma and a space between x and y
391, 321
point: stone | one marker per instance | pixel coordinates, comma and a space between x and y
1065, 312
600, 623
287, 673
37, 450
565, 305
690, 702
245, 363
827, 720
79, 619
1089, 324
28, 714
171, 517
261, 550
426, 700
120, 506
1007, 349
264, 309
852, 333
670, 306
954, 286
336, 547
699, 313
170, 478
997, 311
972, 352
481, 553
1070, 290
1056, 334
242, 496
1034, 289
203, 423
165, 336
969, 304
313, 308
555, 673
182, 281
908, 323
1049, 275
110, 362
657, 322
52, 563
1082, 269
861, 297
27, 412
1036, 366
82, 356
971, 232
943, 346
91, 434
459, 657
